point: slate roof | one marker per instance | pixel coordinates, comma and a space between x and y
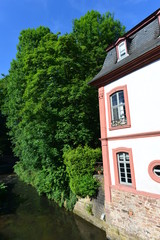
141, 39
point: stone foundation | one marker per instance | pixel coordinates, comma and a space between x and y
93, 209
128, 217
131, 216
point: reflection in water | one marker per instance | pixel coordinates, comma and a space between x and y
26, 216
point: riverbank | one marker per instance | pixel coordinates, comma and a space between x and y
93, 209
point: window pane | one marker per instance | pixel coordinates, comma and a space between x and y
122, 111
127, 165
122, 165
157, 167
157, 173
128, 170
123, 180
122, 170
115, 114
129, 175
122, 174
129, 181
121, 156
123, 52
114, 99
121, 97
157, 170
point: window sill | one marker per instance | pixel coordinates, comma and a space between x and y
120, 127
120, 59
137, 192
126, 188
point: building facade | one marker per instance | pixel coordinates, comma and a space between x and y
129, 103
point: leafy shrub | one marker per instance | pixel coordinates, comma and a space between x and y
49, 181
3, 188
80, 164
71, 201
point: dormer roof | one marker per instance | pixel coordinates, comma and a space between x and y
143, 47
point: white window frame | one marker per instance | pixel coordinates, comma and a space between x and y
126, 167
154, 171
122, 51
121, 109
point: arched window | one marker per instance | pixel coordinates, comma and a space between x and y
123, 167
118, 108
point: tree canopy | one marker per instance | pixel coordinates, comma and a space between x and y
48, 103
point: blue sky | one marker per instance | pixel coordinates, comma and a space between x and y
16, 15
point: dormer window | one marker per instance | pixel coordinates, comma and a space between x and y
122, 50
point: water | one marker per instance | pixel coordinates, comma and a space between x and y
26, 216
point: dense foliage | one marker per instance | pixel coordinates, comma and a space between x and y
3, 189
80, 166
5, 145
48, 103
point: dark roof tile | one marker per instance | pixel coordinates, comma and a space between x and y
146, 38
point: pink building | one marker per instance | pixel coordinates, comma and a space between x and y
129, 103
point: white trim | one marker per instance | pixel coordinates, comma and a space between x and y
122, 51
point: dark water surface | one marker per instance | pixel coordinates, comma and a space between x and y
26, 216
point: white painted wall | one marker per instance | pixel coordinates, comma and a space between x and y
144, 150
144, 100
144, 103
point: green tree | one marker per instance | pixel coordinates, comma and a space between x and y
48, 103
95, 32
5, 144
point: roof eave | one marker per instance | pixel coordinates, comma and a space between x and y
135, 64
136, 28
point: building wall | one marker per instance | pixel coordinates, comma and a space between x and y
132, 216
134, 213
144, 151
144, 98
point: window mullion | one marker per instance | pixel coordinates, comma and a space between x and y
126, 169
119, 169
118, 105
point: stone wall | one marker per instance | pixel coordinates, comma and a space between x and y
92, 209
128, 217
132, 216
